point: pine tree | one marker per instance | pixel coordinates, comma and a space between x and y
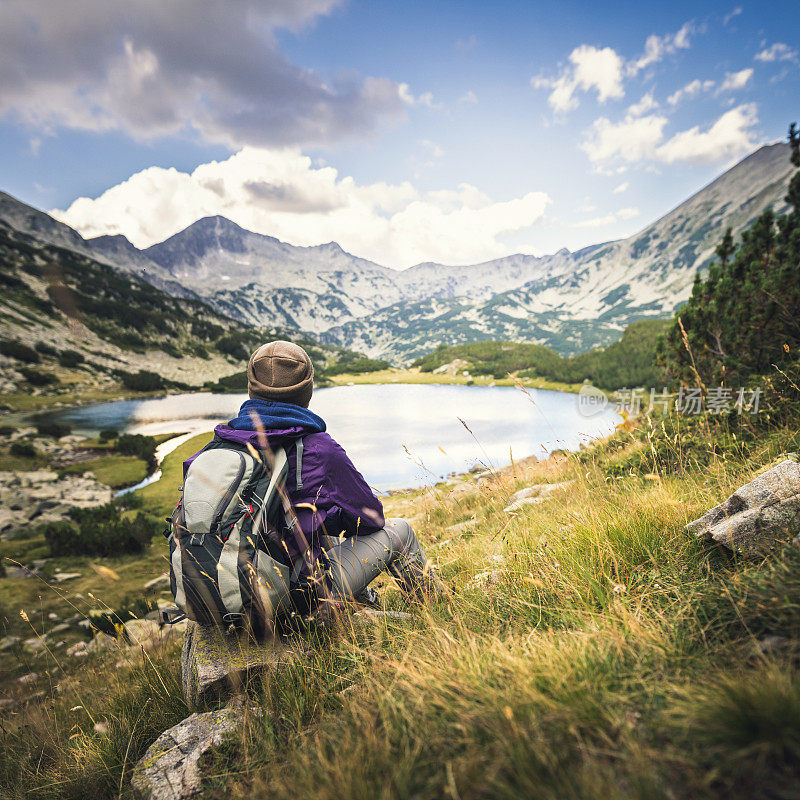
744, 316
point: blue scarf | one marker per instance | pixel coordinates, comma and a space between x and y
277, 416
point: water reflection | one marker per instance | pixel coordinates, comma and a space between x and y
397, 434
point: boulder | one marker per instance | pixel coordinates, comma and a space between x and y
161, 582
100, 643
170, 769
142, 631
461, 527
525, 501
369, 617
758, 516
215, 665
61, 577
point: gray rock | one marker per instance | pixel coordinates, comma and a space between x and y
539, 490
77, 650
461, 527
60, 628
34, 644
27, 680
525, 501
161, 582
368, 617
758, 516
142, 631
216, 665
100, 643
170, 769
7, 642
61, 577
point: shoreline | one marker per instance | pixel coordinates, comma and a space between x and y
392, 376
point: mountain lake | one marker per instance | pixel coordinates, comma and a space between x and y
397, 435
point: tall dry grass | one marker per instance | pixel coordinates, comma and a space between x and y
589, 649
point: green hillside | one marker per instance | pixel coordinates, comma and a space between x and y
628, 362
74, 329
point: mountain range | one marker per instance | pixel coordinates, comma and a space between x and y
568, 301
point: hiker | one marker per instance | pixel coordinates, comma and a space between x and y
339, 540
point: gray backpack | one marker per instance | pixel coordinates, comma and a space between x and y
227, 562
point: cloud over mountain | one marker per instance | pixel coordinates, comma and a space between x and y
281, 193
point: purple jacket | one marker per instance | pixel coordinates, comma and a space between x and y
334, 499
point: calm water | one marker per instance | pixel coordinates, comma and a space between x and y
398, 435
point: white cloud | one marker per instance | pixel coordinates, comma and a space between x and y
690, 90
468, 97
657, 47
623, 187
168, 68
647, 103
633, 139
590, 68
282, 193
736, 80
735, 13
638, 139
777, 52
728, 137
628, 213
604, 70
424, 99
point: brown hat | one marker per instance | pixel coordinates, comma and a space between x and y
281, 371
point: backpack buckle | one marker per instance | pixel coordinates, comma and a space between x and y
197, 540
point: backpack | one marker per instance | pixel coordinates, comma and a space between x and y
227, 563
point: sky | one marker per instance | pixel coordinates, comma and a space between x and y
454, 132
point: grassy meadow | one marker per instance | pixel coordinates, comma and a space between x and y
417, 376
589, 648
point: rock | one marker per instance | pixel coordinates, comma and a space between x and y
757, 516
161, 582
170, 769
539, 490
7, 642
77, 650
18, 572
34, 644
61, 577
60, 628
461, 527
27, 680
525, 501
367, 617
214, 664
140, 631
100, 643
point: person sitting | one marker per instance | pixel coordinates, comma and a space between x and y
341, 535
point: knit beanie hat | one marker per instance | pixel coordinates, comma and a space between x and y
281, 371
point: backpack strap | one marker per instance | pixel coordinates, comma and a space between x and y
277, 476
299, 450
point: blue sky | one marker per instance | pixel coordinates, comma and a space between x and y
440, 131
